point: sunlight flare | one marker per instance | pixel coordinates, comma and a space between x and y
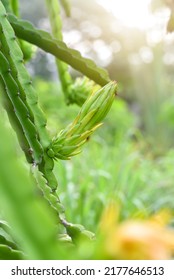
131, 13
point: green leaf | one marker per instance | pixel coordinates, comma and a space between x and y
5, 241
4, 225
7, 253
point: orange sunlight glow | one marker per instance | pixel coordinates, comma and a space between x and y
131, 13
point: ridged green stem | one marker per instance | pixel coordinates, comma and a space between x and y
31, 220
15, 122
23, 97
43, 40
15, 7
56, 26
66, 5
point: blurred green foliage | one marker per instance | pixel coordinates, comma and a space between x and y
119, 162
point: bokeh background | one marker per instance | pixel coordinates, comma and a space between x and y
130, 159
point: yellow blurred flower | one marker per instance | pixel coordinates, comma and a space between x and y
136, 239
